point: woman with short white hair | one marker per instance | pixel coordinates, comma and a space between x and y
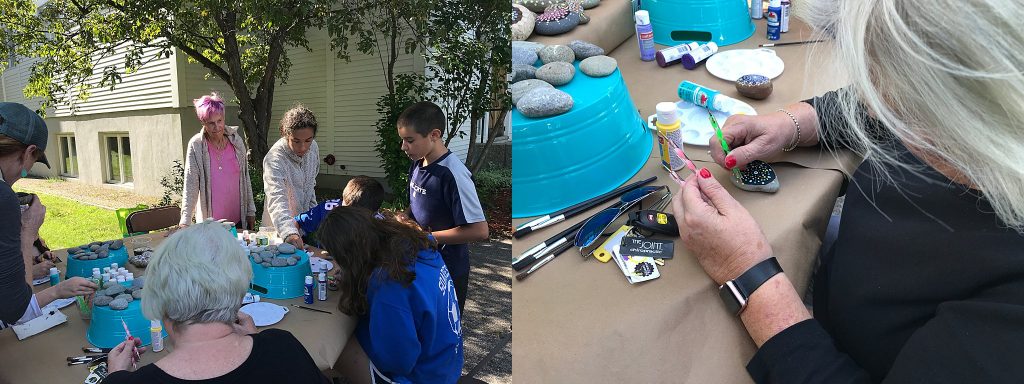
925, 282
195, 283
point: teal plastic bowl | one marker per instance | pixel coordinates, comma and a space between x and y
281, 282
593, 148
106, 331
83, 268
682, 21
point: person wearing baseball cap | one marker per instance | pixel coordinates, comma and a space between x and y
23, 137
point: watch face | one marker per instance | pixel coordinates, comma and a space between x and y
730, 296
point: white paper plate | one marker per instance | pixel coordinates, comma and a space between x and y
41, 280
264, 314
314, 263
730, 65
60, 303
695, 125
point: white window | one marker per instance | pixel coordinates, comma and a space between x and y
118, 158
68, 155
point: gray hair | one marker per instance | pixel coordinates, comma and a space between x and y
198, 275
946, 78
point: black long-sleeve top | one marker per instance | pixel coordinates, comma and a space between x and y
15, 294
923, 285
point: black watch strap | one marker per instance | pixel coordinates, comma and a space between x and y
736, 292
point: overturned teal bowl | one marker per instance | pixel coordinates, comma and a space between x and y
106, 330
597, 146
682, 21
281, 282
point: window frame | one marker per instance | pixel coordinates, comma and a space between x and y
108, 167
72, 145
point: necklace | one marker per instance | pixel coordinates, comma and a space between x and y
220, 156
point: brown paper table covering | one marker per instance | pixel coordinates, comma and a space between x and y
41, 358
579, 321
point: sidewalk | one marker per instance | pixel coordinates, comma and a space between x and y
487, 320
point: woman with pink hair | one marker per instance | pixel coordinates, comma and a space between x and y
217, 180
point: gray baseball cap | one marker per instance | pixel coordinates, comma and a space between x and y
22, 124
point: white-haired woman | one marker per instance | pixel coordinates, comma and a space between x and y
195, 284
925, 282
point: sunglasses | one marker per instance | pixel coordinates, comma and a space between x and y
596, 225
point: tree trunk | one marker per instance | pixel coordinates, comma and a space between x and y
492, 133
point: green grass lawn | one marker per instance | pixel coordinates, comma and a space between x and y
69, 223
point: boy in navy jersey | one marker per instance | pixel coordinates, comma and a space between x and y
442, 197
361, 191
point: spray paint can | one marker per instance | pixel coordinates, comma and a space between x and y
784, 27
321, 287
308, 290
672, 55
774, 19
705, 97
692, 58
669, 126
756, 9
156, 335
644, 35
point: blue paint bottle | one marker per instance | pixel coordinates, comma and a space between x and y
308, 290
774, 19
644, 35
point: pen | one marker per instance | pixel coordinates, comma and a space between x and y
310, 309
538, 251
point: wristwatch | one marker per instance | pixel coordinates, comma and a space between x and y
736, 292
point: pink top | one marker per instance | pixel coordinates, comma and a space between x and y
224, 182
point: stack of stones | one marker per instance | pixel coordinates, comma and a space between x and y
281, 255
533, 89
548, 17
95, 250
140, 256
117, 296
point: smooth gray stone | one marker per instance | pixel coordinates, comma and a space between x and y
137, 294
587, 4
286, 248
257, 259
557, 27
292, 261
528, 45
266, 255
75, 251
557, 73
94, 257
94, 247
598, 66
555, 53
116, 244
272, 248
119, 304
543, 102
523, 56
278, 262
265, 264
523, 87
101, 300
523, 72
125, 296
114, 289
583, 49
102, 254
139, 282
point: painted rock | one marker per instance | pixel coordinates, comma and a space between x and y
536, 5
598, 66
582, 49
557, 73
286, 248
101, 300
119, 304
543, 102
116, 244
523, 72
137, 294
527, 45
523, 56
556, 22
584, 18
278, 262
523, 87
523, 21
125, 296
587, 4
758, 177
756, 87
556, 53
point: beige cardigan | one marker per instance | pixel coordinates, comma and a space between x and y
197, 179
288, 182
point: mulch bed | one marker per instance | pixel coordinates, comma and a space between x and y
499, 214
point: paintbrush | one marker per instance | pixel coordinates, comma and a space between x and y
721, 139
789, 43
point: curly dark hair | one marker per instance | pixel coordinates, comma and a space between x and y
360, 243
299, 117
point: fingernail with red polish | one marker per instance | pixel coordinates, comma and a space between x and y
730, 161
705, 173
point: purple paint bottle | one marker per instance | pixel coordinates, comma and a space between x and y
644, 35
672, 55
693, 58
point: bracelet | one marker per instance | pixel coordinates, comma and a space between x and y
796, 139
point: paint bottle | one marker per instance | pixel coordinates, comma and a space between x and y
672, 55
156, 335
692, 58
321, 286
308, 290
669, 126
774, 19
644, 35
54, 276
706, 97
756, 9
250, 298
784, 23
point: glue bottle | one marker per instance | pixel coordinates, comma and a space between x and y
706, 97
774, 19
156, 335
644, 35
672, 55
668, 126
321, 286
308, 290
692, 58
